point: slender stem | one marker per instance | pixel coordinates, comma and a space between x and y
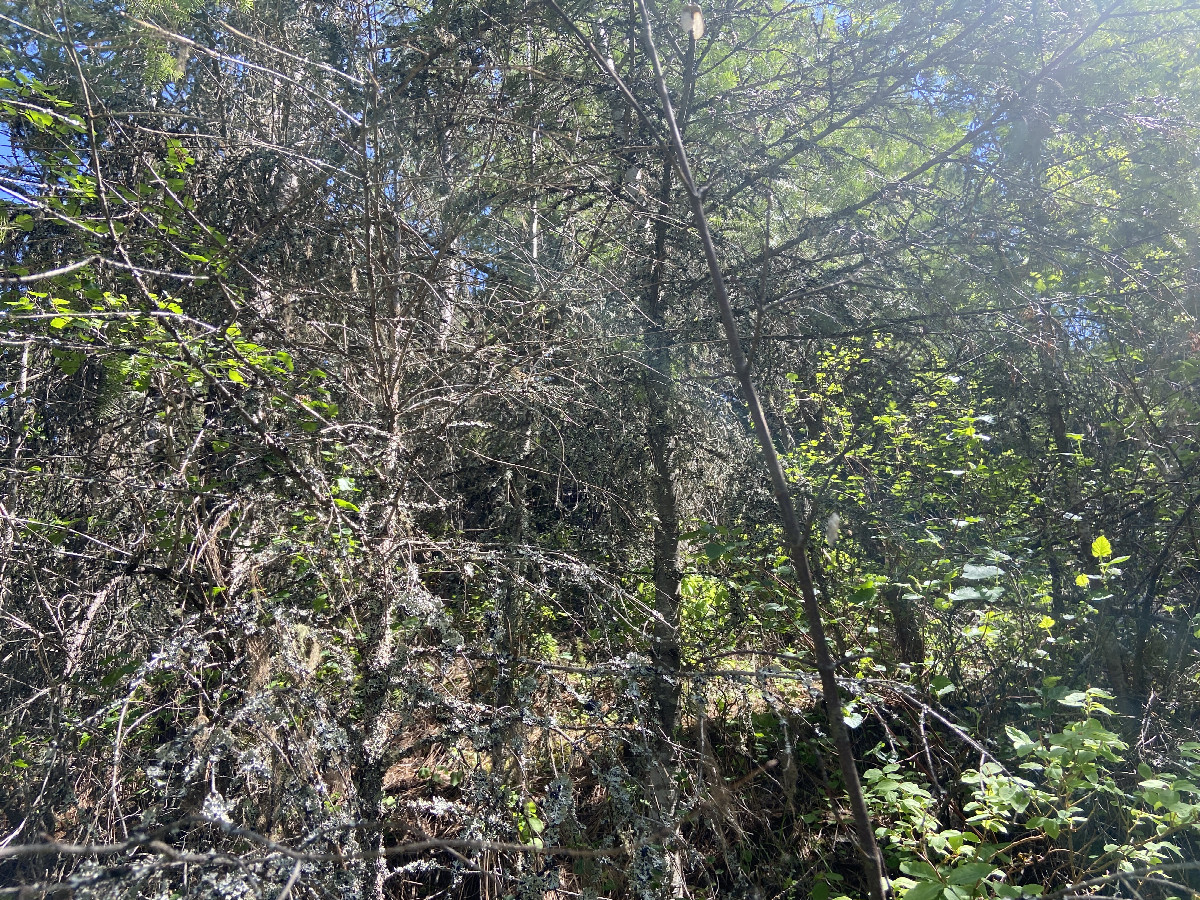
795, 536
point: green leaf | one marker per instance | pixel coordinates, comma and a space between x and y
1101, 548
926, 890
971, 873
1022, 743
864, 593
918, 868
942, 685
116, 674
67, 360
39, 118
972, 572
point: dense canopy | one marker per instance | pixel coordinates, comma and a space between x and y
534, 449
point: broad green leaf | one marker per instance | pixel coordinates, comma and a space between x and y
970, 873
972, 572
926, 890
918, 868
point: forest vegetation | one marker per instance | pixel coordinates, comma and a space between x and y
545, 449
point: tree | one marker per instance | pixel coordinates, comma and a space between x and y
385, 510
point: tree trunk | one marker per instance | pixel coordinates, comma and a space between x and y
910, 644
661, 436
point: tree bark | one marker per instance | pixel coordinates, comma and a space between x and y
661, 437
